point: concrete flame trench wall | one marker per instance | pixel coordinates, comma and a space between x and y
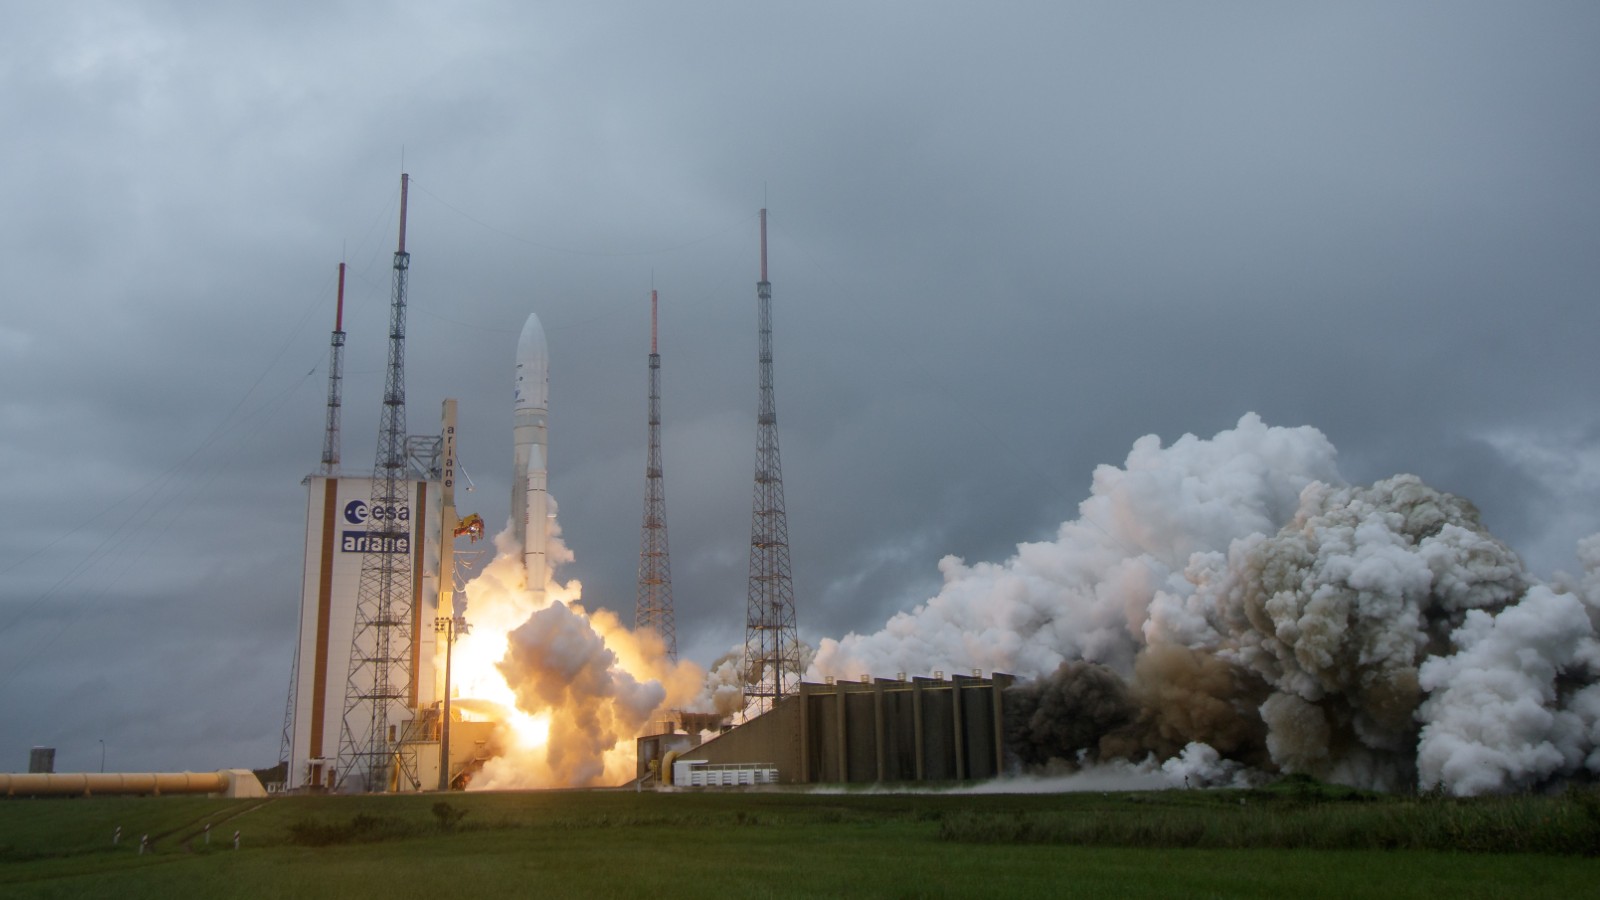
924, 729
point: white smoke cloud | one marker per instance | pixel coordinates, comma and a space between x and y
1499, 717
1201, 766
724, 687
1087, 594
557, 661
1260, 608
1196, 766
1336, 611
571, 689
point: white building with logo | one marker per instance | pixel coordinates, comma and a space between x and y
338, 510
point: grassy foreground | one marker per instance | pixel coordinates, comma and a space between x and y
1300, 839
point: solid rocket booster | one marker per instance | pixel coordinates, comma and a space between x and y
530, 408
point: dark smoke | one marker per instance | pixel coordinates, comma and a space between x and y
1066, 714
1086, 712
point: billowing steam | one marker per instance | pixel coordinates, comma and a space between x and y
1219, 609
1230, 604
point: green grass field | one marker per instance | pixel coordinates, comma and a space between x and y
1298, 839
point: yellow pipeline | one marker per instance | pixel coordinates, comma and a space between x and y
89, 784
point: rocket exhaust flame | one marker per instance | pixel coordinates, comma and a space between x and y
571, 689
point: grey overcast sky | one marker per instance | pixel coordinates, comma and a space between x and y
1007, 239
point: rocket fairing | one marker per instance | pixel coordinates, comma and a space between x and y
530, 408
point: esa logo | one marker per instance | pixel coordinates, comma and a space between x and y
357, 511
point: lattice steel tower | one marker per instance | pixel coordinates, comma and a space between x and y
330, 432
654, 609
330, 468
771, 643
378, 688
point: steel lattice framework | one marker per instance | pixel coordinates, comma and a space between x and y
771, 644
379, 681
654, 608
330, 432
286, 739
330, 468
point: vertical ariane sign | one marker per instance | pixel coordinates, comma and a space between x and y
447, 509
448, 496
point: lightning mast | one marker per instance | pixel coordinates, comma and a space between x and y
330, 468
330, 437
379, 678
772, 643
654, 607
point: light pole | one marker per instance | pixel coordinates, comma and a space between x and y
102, 754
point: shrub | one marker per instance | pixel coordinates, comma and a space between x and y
447, 815
361, 828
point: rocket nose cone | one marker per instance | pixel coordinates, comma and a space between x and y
533, 367
532, 341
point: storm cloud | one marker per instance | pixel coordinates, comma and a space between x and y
1006, 244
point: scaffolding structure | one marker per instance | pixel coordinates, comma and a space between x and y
378, 693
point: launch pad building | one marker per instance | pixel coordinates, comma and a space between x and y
338, 512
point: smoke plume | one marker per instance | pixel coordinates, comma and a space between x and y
570, 688
1231, 605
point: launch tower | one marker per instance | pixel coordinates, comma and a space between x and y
654, 608
378, 691
771, 643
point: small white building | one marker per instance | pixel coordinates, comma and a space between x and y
701, 773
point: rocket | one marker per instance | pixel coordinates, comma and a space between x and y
530, 408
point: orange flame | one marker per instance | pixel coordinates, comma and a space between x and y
573, 688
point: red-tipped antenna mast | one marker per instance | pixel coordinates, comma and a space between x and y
772, 644
338, 316
405, 180
381, 689
654, 608
330, 434
763, 244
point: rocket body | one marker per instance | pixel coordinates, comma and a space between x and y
530, 519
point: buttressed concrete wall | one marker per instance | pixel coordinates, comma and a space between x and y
925, 729
772, 738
